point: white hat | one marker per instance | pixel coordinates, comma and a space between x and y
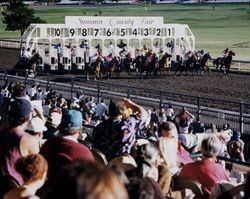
36, 125
55, 119
125, 162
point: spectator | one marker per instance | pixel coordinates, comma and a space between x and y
91, 105
14, 142
116, 135
52, 124
168, 149
36, 128
75, 104
154, 117
236, 147
198, 126
33, 169
61, 150
170, 113
87, 180
183, 120
162, 116
206, 171
32, 91
101, 109
212, 129
143, 182
168, 129
61, 103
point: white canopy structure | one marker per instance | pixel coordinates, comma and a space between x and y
135, 32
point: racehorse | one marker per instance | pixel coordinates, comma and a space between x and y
28, 64
163, 64
203, 63
148, 64
94, 68
224, 62
187, 65
128, 64
112, 66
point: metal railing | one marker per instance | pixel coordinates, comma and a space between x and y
216, 111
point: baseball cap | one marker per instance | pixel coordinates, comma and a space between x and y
71, 118
36, 125
20, 108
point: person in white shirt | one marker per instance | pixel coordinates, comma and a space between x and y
32, 91
111, 48
170, 113
101, 109
27, 53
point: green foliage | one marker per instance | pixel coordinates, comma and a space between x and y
17, 16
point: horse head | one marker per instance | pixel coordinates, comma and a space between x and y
208, 55
231, 53
167, 55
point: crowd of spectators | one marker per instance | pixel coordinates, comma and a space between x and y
51, 147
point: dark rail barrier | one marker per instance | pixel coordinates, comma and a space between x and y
210, 110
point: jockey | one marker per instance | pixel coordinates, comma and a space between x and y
72, 49
111, 48
144, 50
161, 53
188, 54
123, 53
121, 44
137, 52
99, 49
27, 54
201, 53
224, 54
109, 57
156, 47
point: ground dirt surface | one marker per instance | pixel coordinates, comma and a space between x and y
234, 87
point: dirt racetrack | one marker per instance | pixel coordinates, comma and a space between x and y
234, 87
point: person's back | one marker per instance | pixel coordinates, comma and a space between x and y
206, 171
117, 135
87, 180
33, 169
59, 151
101, 109
14, 142
10, 151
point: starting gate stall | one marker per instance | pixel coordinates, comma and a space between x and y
79, 38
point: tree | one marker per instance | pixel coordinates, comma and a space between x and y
17, 16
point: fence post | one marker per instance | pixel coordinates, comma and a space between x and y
161, 100
198, 106
72, 88
5, 74
98, 92
48, 80
26, 77
128, 91
241, 117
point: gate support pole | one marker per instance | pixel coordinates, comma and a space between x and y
241, 117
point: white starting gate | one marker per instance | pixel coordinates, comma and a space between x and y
76, 40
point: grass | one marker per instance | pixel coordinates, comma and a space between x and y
215, 26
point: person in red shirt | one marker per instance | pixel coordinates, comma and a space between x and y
206, 171
61, 150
